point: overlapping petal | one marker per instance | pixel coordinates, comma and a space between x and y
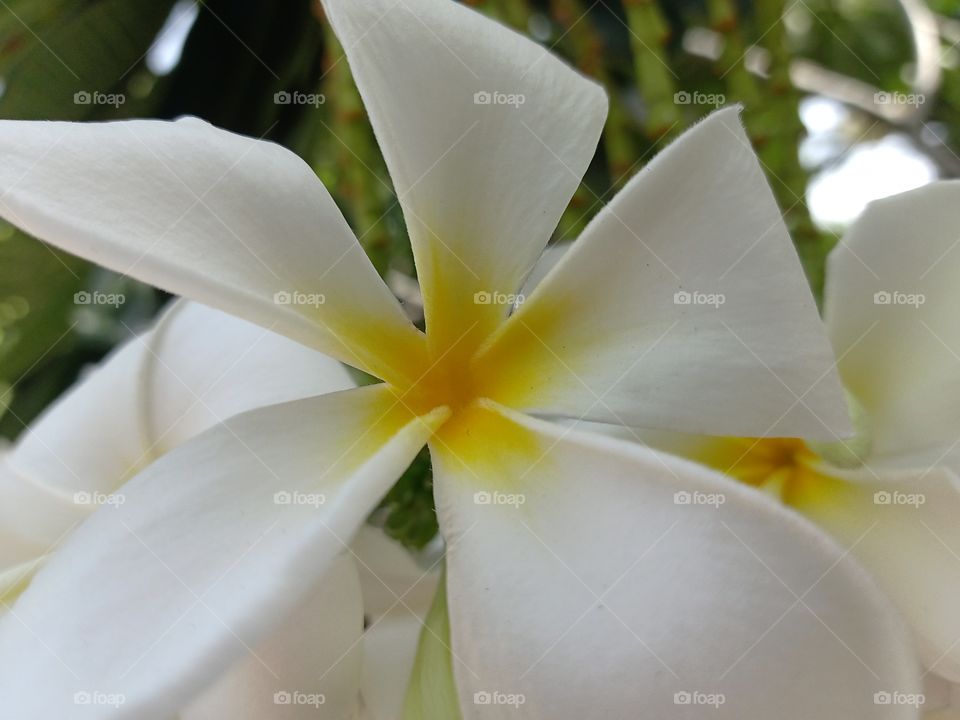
240, 224
195, 367
309, 667
942, 699
397, 593
682, 306
486, 135
590, 577
903, 528
213, 546
890, 309
389, 649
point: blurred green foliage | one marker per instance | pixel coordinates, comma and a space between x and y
237, 54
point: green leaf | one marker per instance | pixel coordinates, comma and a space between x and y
22, 19
37, 285
36, 301
93, 52
409, 515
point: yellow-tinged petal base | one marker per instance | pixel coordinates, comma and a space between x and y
786, 467
459, 373
489, 447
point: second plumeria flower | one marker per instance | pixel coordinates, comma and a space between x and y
891, 492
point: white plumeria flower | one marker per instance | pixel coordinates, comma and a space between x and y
196, 367
577, 578
892, 492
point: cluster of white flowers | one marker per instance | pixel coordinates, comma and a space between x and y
649, 506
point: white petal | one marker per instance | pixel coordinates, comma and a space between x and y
211, 550
34, 518
943, 699
197, 366
551, 257
205, 366
482, 185
389, 647
890, 308
397, 593
608, 336
93, 436
602, 592
15, 578
310, 667
224, 219
909, 538
391, 579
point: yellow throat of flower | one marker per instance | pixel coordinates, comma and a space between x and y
786, 467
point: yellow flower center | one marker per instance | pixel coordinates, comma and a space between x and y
457, 376
784, 466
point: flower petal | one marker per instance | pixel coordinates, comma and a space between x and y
389, 647
92, 436
33, 519
195, 367
214, 545
583, 585
397, 594
486, 136
240, 224
312, 663
683, 306
23, 507
889, 307
390, 578
205, 366
906, 533
943, 699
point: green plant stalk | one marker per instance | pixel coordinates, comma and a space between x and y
783, 131
742, 86
649, 33
585, 47
432, 691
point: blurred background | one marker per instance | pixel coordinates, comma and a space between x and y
845, 101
